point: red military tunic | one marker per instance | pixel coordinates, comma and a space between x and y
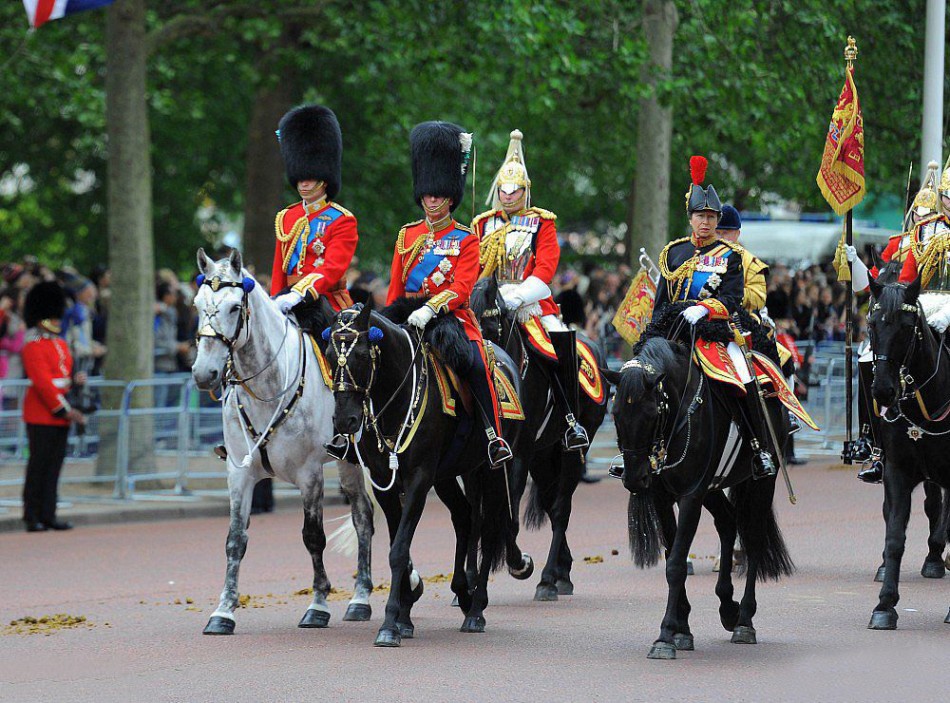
922, 236
49, 366
315, 245
443, 267
536, 227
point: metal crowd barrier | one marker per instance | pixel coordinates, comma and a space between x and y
151, 439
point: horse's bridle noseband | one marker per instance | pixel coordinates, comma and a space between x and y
208, 330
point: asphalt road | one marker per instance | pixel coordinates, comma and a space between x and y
147, 589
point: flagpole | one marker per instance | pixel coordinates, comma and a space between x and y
850, 54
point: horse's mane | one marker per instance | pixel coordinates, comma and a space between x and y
658, 353
479, 299
399, 310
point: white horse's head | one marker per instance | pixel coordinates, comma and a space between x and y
222, 307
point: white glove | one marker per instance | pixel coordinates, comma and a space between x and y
694, 313
851, 254
288, 300
420, 318
940, 320
766, 320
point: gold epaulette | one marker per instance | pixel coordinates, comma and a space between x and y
899, 235
459, 225
293, 232
542, 213
482, 217
341, 208
412, 251
401, 237
661, 260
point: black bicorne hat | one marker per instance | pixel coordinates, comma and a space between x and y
44, 301
312, 146
440, 153
699, 198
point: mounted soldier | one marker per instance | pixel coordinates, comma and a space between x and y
708, 274
436, 259
519, 247
316, 237
925, 241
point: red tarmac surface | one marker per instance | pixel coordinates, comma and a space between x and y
142, 640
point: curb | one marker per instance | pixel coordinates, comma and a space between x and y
135, 511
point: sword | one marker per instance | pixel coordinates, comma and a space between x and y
780, 456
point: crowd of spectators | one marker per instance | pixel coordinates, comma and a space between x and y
806, 303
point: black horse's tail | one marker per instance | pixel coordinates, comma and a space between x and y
759, 532
534, 514
497, 517
643, 527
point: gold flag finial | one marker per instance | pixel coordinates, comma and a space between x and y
851, 51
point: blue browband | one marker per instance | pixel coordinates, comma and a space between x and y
247, 284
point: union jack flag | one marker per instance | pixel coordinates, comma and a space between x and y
39, 12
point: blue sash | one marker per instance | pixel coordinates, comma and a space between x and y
316, 225
714, 259
449, 244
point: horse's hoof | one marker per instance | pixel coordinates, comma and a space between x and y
527, 568
933, 570
683, 641
729, 616
662, 650
565, 587
219, 626
743, 635
879, 576
545, 592
388, 638
314, 618
406, 630
358, 612
883, 620
473, 624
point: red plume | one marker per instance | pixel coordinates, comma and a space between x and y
697, 169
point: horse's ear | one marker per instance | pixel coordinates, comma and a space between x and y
237, 263
876, 288
612, 377
204, 263
913, 290
362, 320
492, 287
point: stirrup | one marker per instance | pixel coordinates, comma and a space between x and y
793, 424
762, 465
575, 436
875, 472
499, 451
221, 452
338, 447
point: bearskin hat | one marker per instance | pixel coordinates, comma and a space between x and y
440, 153
312, 146
699, 198
44, 301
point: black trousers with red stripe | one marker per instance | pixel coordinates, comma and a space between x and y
47, 453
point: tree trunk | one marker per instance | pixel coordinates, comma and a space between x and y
648, 224
131, 250
263, 195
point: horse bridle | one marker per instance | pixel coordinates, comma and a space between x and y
215, 283
655, 449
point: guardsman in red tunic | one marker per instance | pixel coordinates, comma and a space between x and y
316, 238
437, 258
519, 247
46, 412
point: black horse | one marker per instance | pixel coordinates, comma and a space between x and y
911, 380
936, 505
680, 444
554, 470
384, 385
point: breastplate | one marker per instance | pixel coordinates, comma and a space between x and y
516, 251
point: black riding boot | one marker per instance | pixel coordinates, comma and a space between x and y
498, 450
566, 390
763, 464
865, 448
